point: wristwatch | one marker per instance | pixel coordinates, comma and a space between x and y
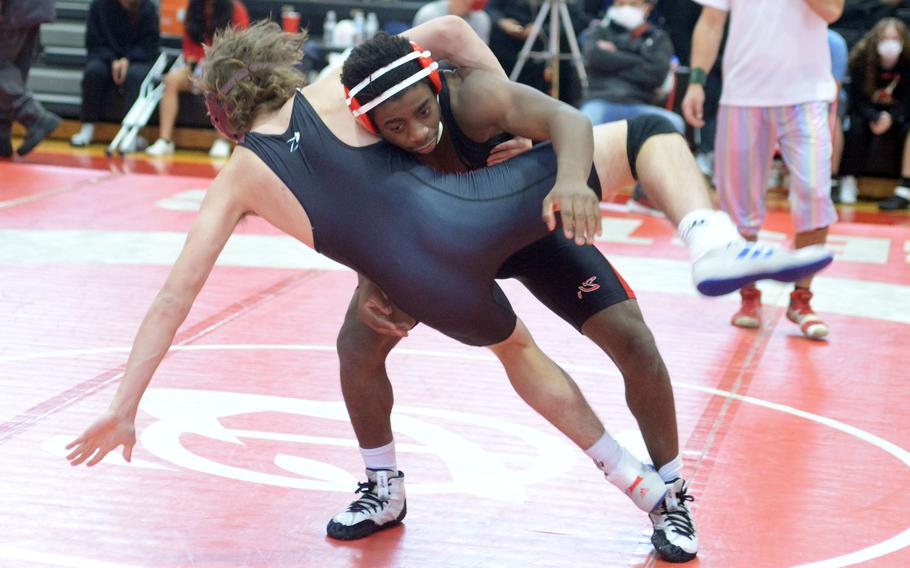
697, 76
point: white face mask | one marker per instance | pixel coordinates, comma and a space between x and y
629, 17
889, 50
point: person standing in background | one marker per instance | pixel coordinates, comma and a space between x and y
769, 98
19, 24
121, 37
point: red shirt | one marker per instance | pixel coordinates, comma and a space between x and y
193, 51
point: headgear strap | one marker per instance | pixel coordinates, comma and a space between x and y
395, 89
216, 107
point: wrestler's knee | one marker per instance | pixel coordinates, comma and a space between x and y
519, 340
361, 348
640, 130
621, 331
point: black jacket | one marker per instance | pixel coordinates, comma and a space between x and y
631, 74
110, 34
892, 93
21, 14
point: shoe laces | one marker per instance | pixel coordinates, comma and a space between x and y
676, 512
369, 502
372, 499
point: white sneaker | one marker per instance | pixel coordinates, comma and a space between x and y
638, 481
82, 138
674, 533
728, 268
848, 190
382, 505
160, 148
221, 149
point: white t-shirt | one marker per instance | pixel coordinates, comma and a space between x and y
776, 54
477, 19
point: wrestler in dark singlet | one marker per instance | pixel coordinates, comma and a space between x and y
478, 220
554, 267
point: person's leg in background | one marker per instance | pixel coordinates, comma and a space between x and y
743, 150
175, 82
901, 198
853, 155
96, 79
805, 144
837, 151
704, 150
135, 74
600, 111
837, 45
16, 102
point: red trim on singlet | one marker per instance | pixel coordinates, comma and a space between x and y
625, 285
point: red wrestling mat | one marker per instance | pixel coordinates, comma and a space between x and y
796, 450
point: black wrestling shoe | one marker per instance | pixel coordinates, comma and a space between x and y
382, 504
674, 533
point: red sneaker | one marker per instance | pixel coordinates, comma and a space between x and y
800, 313
749, 314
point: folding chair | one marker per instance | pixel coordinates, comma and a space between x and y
150, 93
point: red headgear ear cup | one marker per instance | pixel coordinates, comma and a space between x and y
364, 118
425, 62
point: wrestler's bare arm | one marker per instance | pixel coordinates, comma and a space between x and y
488, 104
222, 208
450, 38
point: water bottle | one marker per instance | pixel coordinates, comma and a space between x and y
359, 25
372, 25
328, 28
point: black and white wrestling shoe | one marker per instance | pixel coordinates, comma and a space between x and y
381, 505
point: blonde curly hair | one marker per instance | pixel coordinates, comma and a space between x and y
268, 55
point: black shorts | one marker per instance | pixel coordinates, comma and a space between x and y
574, 282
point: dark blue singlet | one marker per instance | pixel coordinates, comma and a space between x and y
574, 282
434, 242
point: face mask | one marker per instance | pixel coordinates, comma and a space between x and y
889, 50
629, 17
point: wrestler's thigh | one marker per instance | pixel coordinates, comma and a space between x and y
611, 159
574, 282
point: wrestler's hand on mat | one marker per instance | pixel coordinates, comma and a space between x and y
579, 209
378, 313
508, 149
100, 438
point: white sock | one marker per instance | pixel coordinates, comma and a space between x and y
671, 470
382, 457
605, 452
88, 130
705, 229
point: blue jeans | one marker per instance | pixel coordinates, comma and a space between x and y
600, 111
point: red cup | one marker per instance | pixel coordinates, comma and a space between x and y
290, 21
